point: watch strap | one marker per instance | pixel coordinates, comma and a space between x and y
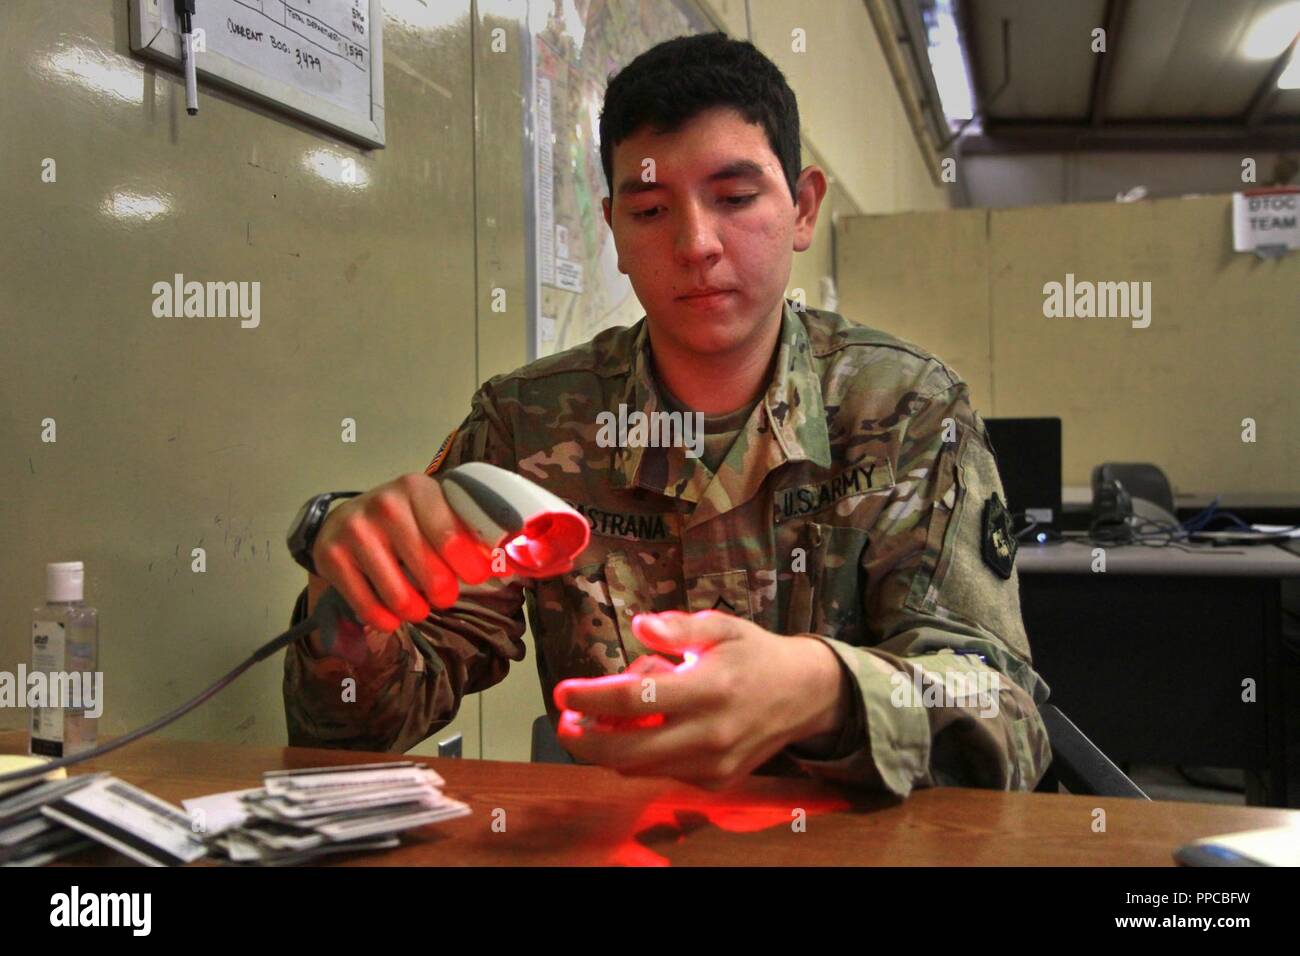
312, 521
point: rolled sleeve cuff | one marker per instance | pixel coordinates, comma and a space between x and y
881, 746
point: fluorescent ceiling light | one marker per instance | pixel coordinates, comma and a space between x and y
1270, 34
948, 62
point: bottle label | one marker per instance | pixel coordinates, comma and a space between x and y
49, 644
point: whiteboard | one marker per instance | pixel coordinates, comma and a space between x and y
321, 60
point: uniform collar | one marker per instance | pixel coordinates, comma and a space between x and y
789, 424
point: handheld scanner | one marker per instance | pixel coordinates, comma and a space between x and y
537, 534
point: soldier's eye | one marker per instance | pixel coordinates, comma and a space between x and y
646, 213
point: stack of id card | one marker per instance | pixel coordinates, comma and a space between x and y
299, 815
27, 836
52, 818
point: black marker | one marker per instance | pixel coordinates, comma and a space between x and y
185, 14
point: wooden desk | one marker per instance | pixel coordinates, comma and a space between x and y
571, 815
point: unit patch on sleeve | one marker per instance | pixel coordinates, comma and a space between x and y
998, 540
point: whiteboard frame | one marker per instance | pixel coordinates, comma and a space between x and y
150, 39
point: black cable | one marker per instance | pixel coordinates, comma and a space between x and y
305, 626
1167, 538
1027, 529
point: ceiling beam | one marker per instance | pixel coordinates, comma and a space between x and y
1262, 99
1103, 74
1065, 137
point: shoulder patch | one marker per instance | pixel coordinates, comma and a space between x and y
998, 541
442, 453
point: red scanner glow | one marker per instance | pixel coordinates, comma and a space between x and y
548, 544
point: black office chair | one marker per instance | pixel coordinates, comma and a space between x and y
546, 746
1077, 764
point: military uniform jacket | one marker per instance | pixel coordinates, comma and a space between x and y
860, 504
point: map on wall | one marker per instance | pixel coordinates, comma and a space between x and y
579, 288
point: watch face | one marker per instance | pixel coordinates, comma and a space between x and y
299, 518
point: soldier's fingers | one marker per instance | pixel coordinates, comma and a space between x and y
650, 664
617, 695
635, 694
374, 556
455, 544
627, 747
674, 632
591, 739
466, 557
346, 577
437, 579
433, 577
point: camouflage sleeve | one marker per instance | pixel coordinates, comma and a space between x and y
413, 685
945, 695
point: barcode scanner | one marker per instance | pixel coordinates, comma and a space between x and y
532, 531
540, 535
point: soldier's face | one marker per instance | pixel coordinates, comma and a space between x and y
706, 208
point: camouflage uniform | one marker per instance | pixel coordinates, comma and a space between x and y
859, 505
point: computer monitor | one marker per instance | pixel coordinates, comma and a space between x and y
1029, 461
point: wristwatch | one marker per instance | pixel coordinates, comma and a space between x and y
306, 524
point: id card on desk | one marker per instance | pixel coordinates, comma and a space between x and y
129, 820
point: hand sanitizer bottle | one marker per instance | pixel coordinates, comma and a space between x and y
65, 648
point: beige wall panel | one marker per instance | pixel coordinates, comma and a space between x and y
177, 433
1222, 344
923, 277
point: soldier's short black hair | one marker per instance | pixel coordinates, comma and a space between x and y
674, 81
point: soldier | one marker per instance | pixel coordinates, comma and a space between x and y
829, 558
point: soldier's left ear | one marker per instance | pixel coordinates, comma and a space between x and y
809, 190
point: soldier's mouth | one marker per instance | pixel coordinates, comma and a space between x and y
705, 300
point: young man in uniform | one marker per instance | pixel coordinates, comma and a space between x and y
832, 564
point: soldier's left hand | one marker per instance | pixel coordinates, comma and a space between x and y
740, 695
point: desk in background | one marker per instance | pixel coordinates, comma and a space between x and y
1148, 658
1253, 507
581, 815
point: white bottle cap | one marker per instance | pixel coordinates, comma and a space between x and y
65, 581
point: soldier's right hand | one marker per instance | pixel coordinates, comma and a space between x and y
366, 541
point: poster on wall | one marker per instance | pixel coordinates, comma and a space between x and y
574, 48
